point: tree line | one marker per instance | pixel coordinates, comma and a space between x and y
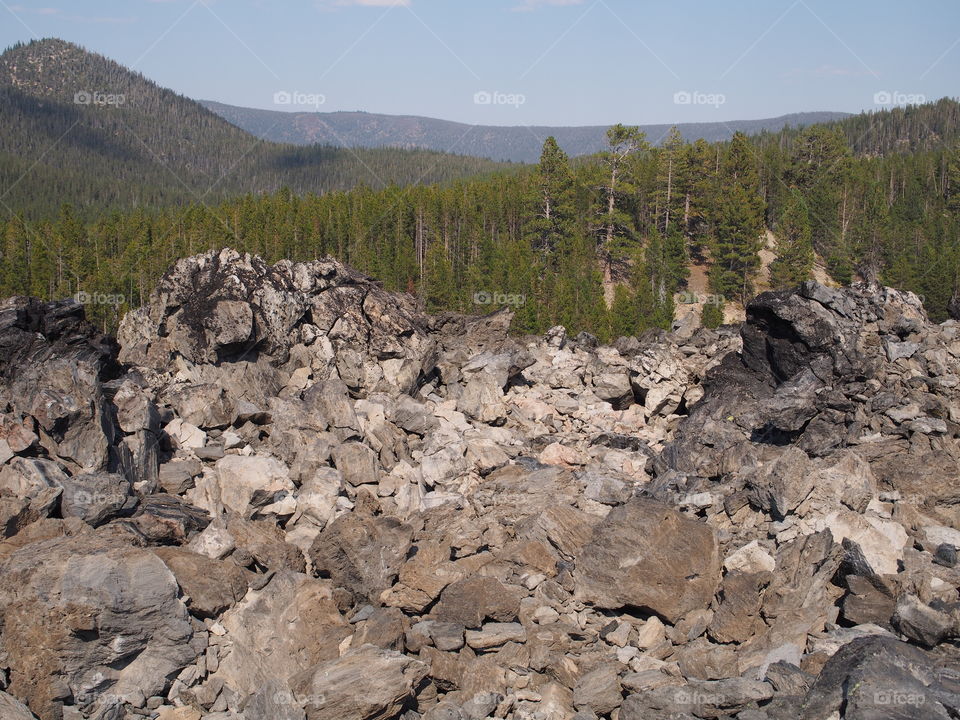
600, 244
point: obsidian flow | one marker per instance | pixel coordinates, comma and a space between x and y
284, 492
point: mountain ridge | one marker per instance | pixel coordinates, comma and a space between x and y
121, 140
513, 143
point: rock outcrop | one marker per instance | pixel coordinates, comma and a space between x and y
289, 494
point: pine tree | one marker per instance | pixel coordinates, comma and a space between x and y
734, 251
953, 179
554, 213
673, 183
623, 314
711, 316
818, 169
617, 228
794, 262
438, 284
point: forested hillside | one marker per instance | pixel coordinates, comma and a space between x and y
76, 127
549, 240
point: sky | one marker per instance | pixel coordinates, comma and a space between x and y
523, 62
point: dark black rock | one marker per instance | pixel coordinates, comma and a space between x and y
946, 555
881, 678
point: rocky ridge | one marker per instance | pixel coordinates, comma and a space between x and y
286, 493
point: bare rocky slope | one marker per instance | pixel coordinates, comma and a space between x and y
287, 494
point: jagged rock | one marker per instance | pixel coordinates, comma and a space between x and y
922, 624
212, 586
357, 463
178, 476
599, 690
168, 520
84, 618
15, 515
204, 405
245, 483
738, 615
37, 481
780, 487
265, 545
868, 601
366, 684
425, 467
614, 388
470, 601
881, 678
751, 558
646, 555
495, 634
224, 306
283, 629
13, 709
54, 365
96, 498
363, 555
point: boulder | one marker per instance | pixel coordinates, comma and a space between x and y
881, 678
363, 555
365, 684
599, 690
13, 709
646, 555
86, 618
210, 587
274, 633
96, 498
471, 601
242, 480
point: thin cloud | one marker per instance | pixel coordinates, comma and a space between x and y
35, 11
373, 3
58, 13
530, 5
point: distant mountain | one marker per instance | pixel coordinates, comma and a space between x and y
77, 127
517, 143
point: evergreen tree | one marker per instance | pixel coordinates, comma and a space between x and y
617, 228
623, 315
437, 287
554, 214
734, 251
711, 316
818, 170
794, 262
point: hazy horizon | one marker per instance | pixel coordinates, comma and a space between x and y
522, 62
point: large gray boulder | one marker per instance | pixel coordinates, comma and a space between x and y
228, 307
362, 554
88, 620
881, 678
647, 555
287, 627
366, 684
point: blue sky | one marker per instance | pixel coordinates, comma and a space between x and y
523, 62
